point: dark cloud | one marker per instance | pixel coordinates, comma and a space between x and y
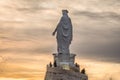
98, 15
101, 48
98, 38
97, 45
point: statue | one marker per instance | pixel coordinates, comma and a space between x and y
64, 33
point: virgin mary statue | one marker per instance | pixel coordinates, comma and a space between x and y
64, 33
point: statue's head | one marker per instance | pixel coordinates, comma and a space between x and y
64, 12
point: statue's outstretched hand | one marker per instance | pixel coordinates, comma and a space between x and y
53, 33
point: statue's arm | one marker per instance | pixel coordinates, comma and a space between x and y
56, 28
54, 31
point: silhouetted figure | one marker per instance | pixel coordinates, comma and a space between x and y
76, 64
55, 64
83, 71
50, 64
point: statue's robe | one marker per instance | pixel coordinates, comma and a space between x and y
64, 34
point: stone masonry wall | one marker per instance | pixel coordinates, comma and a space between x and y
56, 73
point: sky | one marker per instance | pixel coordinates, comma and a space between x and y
27, 43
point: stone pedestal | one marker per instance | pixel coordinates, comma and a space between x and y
64, 68
64, 59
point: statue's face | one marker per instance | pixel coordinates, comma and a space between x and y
64, 12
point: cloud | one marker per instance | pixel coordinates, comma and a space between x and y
100, 51
22, 34
26, 40
32, 50
98, 15
97, 33
98, 38
30, 22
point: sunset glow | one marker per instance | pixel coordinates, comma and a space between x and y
27, 43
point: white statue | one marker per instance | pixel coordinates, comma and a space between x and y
64, 33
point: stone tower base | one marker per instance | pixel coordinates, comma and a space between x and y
56, 73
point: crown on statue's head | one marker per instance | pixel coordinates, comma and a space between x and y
65, 10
